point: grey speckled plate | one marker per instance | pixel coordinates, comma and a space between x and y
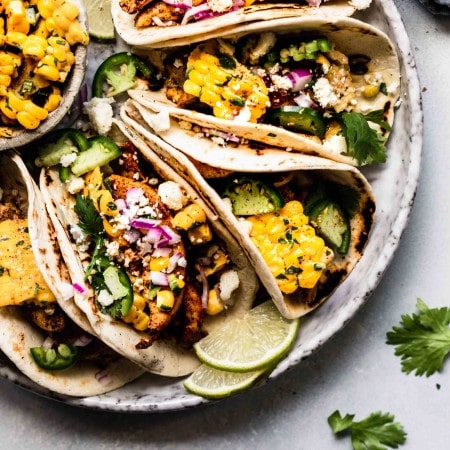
394, 184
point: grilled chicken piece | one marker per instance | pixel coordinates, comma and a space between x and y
137, 265
193, 316
161, 11
132, 6
52, 321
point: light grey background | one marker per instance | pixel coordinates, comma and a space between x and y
356, 372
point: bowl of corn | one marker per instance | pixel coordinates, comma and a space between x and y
43, 51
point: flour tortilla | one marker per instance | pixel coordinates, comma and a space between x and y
158, 36
164, 356
351, 37
272, 160
17, 335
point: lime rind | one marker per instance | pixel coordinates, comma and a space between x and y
254, 342
212, 383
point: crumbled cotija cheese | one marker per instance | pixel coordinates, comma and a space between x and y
220, 5
324, 93
336, 144
360, 4
171, 195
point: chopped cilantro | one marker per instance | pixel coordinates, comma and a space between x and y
422, 340
363, 142
374, 432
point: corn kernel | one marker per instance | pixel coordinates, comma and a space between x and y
27, 120
214, 305
159, 264
165, 300
371, 90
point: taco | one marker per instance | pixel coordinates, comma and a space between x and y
163, 23
303, 221
160, 269
301, 84
43, 342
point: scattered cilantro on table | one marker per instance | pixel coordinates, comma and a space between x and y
422, 340
373, 433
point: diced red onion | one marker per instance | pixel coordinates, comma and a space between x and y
121, 204
83, 340
205, 289
226, 136
145, 224
160, 23
162, 252
314, 2
182, 4
299, 78
103, 377
174, 238
192, 12
131, 236
79, 288
133, 195
154, 235
173, 261
159, 278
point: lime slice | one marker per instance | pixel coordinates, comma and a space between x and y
100, 21
213, 383
256, 341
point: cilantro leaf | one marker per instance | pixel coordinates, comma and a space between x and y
90, 220
422, 340
373, 433
363, 142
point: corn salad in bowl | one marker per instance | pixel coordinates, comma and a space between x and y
42, 65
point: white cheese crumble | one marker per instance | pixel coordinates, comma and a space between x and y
105, 298
360, 4
100, 113
171, 195
324, 93
112, 249
159, 121
336, 144
220, 5
67, 160
281, 82
75, 184
228, 283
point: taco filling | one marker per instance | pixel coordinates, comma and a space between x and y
168, 13
297, 90
28, 296
147, 247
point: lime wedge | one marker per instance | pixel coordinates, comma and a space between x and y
213, 383
253, 342
100, 21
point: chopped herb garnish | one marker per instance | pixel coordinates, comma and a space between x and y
281, 276
19, 243
293, 269
374, 432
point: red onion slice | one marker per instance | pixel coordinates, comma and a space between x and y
299, 78
182, 4
79, 288
159, 278
205, 289
83, 340
145, 224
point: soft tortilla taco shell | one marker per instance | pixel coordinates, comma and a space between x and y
164, 357
17, 335
157, 36
351, 37
268, 161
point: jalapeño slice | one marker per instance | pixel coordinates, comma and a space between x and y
299, 119
63, 357
250, 197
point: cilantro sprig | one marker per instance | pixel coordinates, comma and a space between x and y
92, 224
363, 142
372, 433
422, 340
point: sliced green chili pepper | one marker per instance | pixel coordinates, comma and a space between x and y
119, 71
249, 197
55, 359
100, 152
331, 223
56, 145
300, 119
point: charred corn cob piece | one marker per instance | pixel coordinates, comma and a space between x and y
294, 253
